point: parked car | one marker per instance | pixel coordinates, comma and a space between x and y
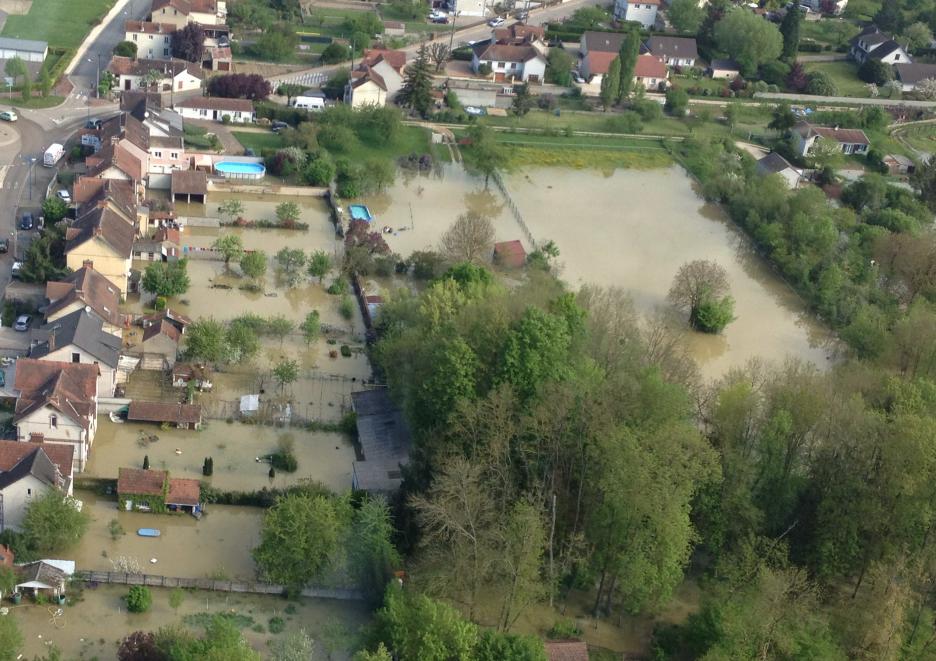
94, 123
522, 15
441, 20
497, 21
475, 111
4, 245
26, 221
64, 195
276, 126
8, 116
22, 323
17, 268
224, 41
577, 77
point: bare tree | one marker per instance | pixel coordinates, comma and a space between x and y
908, 263
469, 239
439, 54
696, 282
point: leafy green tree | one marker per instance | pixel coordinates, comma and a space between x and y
820, 83
700, 287
279, 327
166, 279
790, 30
686, 15
875, 71
290, 91
416, 92
379, 654
286, 372
126, 49
320, 264
276, 44
522, 101
253, 264
559, 67
714, 315
45, 81
300, 536
222, 641
731, 116
15, 67
287, 212
611, 84
294, 646
414, 626
748, 39
889, 17
11, 640
630, 51
371, 554
535, 351
54, 209
205, 341
486, 153
336, 52
782, 119
677, 102
918, 35
311, 326
176, 597
52, 523
494, 646
139, 599
45, 257
524, 543
242, 342
291, 262
230, 246
231, 209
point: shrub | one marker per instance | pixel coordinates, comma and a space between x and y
346, 307
335, 52
284, 461
139, 599
564, 629
345, 351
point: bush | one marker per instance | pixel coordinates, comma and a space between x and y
346, 307
648, 109
335, 52
627, 122
139, 599
345, 351
820, 84
276, 625
564, 629
485, 69
677, 102
284, 461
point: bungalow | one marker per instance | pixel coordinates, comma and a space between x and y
105, 239
57, 404
510, 63
873, 44
182, 12
595, 65
639, 11
153, 40
774, 163
169, 77
44, 576
724, 69
377, 79
183, 416
154, 491
898, 164
675, 51
184, 373
909, 75
509, 254
651, 73
159, 347
850, 141
238, 111
27, 471
85, 289
79, 337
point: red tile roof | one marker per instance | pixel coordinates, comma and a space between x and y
164, 412
61, 454
149, 27
105, 225
510, 253
162, 328
139, 482
183, 491
90, 288
566, 650
649, 66
599, 62
395, 58
842, 136
70, 388
508, 53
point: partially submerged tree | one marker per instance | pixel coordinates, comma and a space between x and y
230, 246
701, 290
166, 279
291, 262
286, 372
469, 239
53, 523
253, 264
320, 263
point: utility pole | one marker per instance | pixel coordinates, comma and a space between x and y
97, 79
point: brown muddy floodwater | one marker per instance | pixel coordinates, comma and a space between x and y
93, 625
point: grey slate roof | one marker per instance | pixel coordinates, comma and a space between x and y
384, 438
772, 163
674, 47
37, 464
913, 73
28, 45
602, 42
725, 65
81, 329
40, 571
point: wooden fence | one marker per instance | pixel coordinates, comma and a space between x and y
246, 587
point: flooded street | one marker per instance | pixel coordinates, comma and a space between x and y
93, 627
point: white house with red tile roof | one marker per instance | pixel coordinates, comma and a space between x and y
27, 472
511, 63
651, 72
850, 141
153, 40
377, 79
639, 11
241, 111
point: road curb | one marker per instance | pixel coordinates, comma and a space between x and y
95, 31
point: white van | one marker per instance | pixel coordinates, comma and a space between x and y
53, 154
313, 103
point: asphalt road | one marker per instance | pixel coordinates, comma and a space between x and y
86, 70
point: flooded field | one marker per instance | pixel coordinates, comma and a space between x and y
93, 627
235, 447
217, 545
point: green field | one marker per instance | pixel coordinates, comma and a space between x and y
62, 23
844, 75
258, 141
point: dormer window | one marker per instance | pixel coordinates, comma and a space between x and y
53, 421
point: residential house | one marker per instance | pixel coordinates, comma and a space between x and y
163, 246
818, 6
114, 194
130, 142
154, 491
169, 77
57, 405
651, 72
240, 111
28, 471
898, 164
105, 239
180, 321
675, 51
377, 79
218, 58
511, 63
88, 290
165, 155
604, 42
909, 75
521, 34
724, 69
153, 40
181, 12
118, 161
46, 577
183, 416
28, 50
566, 650
471, 7
509, 254
638, 11
158, 348
871, 43
850, 141
79, 337
384, 440
774, 163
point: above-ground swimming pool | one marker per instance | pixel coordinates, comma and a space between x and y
238, 170
360, 212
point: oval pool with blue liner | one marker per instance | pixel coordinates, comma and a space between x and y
238, 170
360, 212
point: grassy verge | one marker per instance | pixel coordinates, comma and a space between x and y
844, 75
258, 141
62, 23
921, 137
35, 101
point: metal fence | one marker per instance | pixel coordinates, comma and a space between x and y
514, 210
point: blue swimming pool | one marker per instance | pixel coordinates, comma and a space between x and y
360, 212
239, 170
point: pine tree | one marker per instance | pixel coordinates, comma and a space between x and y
611, 84
790, 29
208, 466
146, 462
272, 472
630, 50
417, 84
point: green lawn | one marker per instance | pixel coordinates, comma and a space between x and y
258, 141
62, 23
863, 10
922, 137
36, 101
844, 75
832, 31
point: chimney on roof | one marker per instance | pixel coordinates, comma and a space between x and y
88, 264
36, 437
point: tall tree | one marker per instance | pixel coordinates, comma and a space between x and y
416, 92
166, 279
487, 154
686, 15
469, 239
630, 51
790, 29
611, 84
188, 43
53, 523
748, 39
230, 246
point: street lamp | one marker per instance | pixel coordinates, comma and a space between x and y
452, 34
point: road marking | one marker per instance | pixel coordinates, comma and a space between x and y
3, 173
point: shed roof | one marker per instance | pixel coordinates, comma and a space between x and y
141, 482
164, 412
217, 103
566, 650
773, 163
189, 182
183, 491
40, 574
510, 253
26, 45
724, 65
384, 438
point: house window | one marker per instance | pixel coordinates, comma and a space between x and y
157, 154
165, 40
150, 37
135, 37
897, 56
173, 154
165, 52
76, 357
28, 492
53, 421
500, 65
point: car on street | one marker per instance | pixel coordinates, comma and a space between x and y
522, 15
496, 22
22, 323
8, 116
64, 195
93, 124
4, 245
27, 222
17, 269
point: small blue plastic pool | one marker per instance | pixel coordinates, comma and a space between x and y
360, 212
238, 170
